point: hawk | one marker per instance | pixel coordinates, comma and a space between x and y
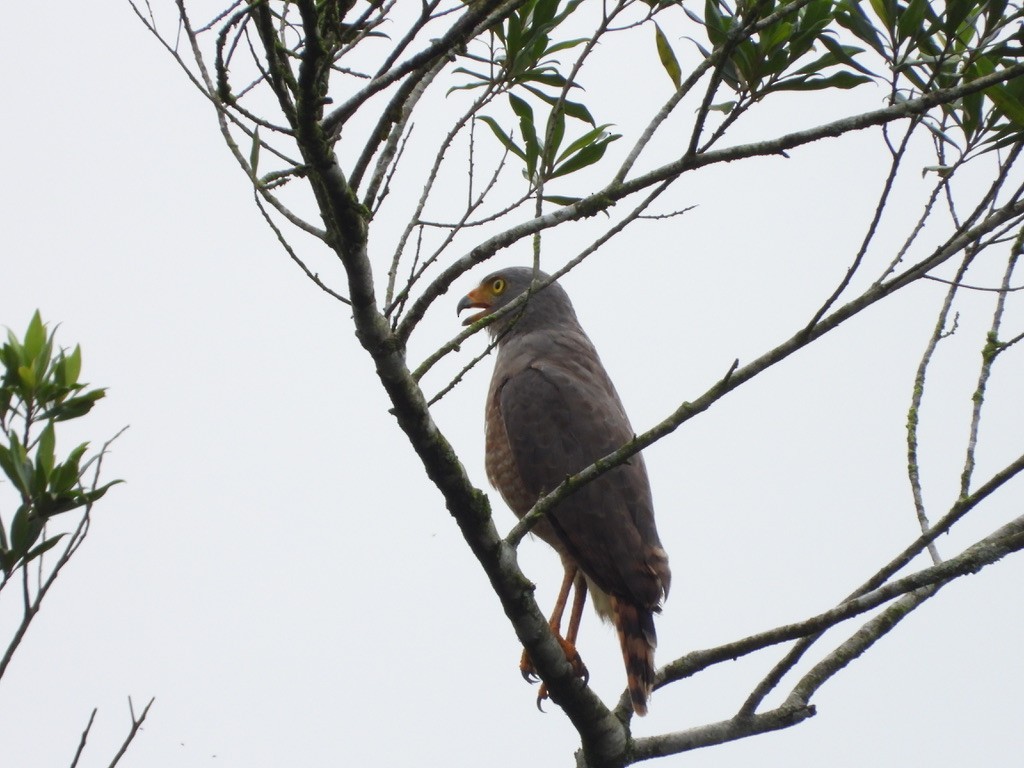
552, 411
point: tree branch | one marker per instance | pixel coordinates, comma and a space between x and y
615, 191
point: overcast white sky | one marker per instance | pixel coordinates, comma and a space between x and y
281, 576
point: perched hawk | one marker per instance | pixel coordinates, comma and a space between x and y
551, 412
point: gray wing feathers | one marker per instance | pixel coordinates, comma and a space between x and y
559, 420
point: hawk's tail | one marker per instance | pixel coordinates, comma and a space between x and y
635, 626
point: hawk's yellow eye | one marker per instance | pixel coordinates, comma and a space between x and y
498, 287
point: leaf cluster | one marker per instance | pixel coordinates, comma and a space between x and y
793, 52
523, 64
936, 46
40, 387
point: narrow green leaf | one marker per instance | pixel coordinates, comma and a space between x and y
851, 16
587, 138
715, 23
845, 54
68, 368
772, 37
911, 20
15, 345
35, 338
479, 75
99, 493
561, 199
1007, 103
550, 78
20, 466
566, 45
553, 135
571, 108
74, 407
1004, 99
841, 80
66, 475
585, 157
884, 10
955, 15
529, 131
7, 464
668, 57
25, 529
44, 547
28, 378
50, 504
45, 453
503, 137
254, 151
693, 16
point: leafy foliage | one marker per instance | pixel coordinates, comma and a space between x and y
39, 388
524, 62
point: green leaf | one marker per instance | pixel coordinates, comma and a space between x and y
841, 80
586, 156
503, 137
1004, 99
526, 125
911, 18
50, 504
7, 464
956, 11
99, 493
35, 338
693, 16
566, 45
66, 475
544, 76
45, 455
561, 199
254, 151
14, 461
554, 133
850, 15
716, 25
69, 367
885, 10
44, 547
668, 57
587, 138
571, 108
845, 54
1007, 103
28, 378
25, 529
74, 407
777, 34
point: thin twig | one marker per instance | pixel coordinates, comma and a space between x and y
136, 725
85, 735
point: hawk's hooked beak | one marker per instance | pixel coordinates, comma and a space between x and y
478, 298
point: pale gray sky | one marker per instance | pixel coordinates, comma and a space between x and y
281, 576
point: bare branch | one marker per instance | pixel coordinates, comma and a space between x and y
85, 735
136, 725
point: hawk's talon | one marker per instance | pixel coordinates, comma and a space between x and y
526, 668
529, 672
